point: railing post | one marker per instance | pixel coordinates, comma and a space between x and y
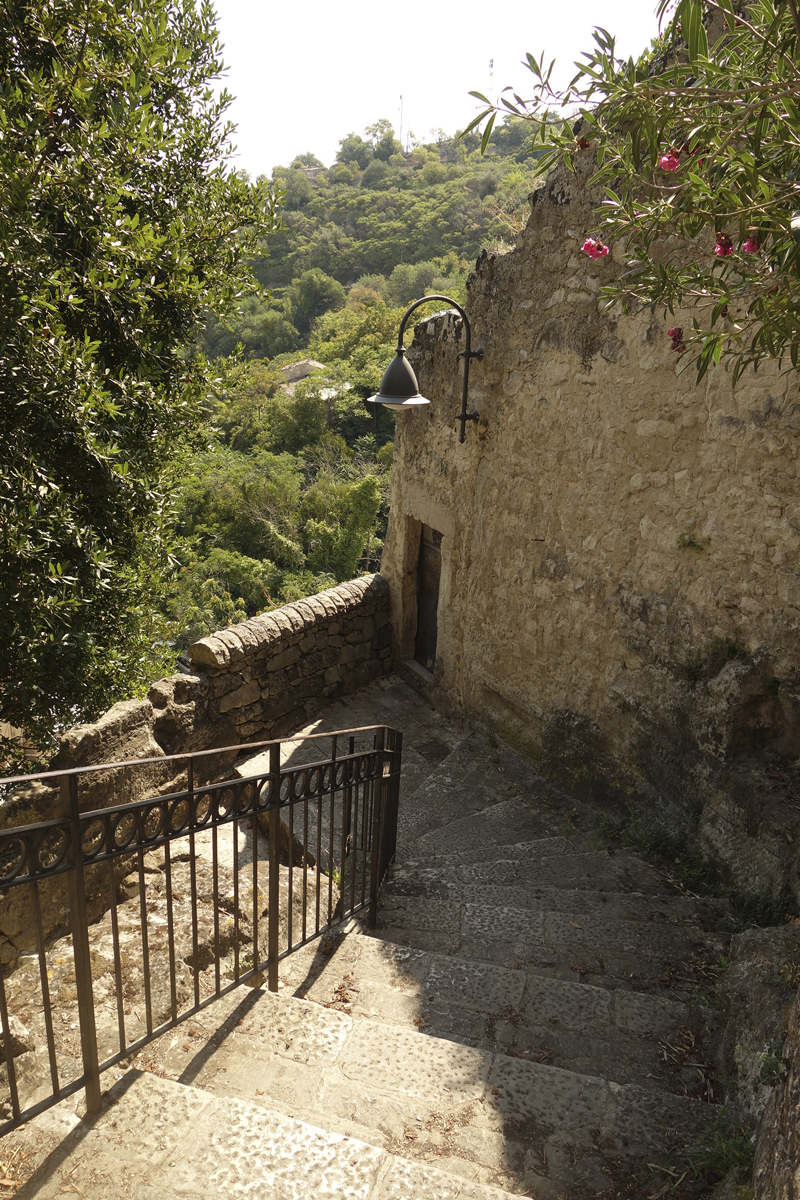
393, 805
79, 923
274, 868
377, 822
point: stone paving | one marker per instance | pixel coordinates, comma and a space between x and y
527, 1019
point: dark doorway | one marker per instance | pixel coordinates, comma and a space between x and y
429, 571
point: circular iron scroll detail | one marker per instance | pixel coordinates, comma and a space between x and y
51, 849
123, 829
152, 823
224, 803
203, 808
245, 794
93, 838
265, 793
13, 856
179, 813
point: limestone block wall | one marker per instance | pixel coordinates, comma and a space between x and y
620, 587
274, 671
257, 680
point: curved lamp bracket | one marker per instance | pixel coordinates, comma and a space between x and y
399, 388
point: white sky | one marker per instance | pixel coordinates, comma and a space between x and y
305, 73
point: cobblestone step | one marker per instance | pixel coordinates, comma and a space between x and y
530, 1013
157, 1138
446, 883
485, 1117
590, 943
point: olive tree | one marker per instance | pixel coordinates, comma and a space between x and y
121, 226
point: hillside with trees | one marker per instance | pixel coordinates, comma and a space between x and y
291, 494
151, 321
395, 223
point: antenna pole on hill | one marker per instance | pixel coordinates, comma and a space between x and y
401, 122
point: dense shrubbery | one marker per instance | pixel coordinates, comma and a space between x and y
280, 506
396, 224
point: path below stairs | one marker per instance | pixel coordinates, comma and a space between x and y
529, 1018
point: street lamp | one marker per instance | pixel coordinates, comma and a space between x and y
399, 388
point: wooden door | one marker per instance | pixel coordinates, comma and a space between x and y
428, 574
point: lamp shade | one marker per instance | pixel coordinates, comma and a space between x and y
399, 387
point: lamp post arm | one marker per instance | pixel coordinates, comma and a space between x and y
467, 353
425, 300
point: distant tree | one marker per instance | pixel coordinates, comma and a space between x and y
260, 328
307, 160
120, 227
381, 135
296, 188
376, 174
310, 295
354, 149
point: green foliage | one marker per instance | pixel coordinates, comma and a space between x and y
336, 541
378, 208
261, 329
696, 149
119, 229
244, 502
281, 506
725, 1149
310, 295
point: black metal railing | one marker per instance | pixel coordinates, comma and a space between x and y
166, 899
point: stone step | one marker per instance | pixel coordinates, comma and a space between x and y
556, 867
475, 778
443, 883
486, 1117
216, 1145
521, 1012
603, 946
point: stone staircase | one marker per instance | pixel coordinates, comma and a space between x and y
531, 1017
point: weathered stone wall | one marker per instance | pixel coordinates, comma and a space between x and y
256, 680
620, 590
273, 672
776, 1174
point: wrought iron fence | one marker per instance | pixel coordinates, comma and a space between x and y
166, 903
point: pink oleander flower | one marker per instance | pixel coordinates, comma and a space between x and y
750, 244
678, 344
724, 246
669, 162
594, 249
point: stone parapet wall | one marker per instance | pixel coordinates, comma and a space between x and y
273, 671
257, 680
